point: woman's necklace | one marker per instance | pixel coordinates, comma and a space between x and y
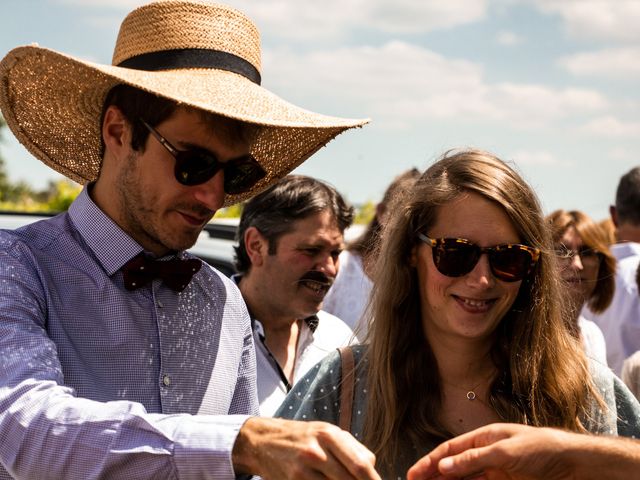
471, 394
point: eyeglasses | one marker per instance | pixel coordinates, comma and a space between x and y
197, 165
589, 256
455, 257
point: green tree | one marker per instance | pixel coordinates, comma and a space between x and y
11, 194
21, 196
234, 211
4, 180
365, 212
61, 194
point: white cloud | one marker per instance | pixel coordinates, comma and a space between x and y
610, 126
410, 16
621, 63
334, 19
621, 153
616, 20
534, 105
535, 158
114, 4
399, 83
508, 39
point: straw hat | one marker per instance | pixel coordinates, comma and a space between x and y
193, 52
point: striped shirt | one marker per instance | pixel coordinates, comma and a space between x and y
100, 382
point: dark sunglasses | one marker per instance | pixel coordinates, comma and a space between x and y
455, 257
197, 165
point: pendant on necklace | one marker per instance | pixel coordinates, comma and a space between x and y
471, 395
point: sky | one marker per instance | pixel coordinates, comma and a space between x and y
548, 85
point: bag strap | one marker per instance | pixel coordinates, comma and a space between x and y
346, 387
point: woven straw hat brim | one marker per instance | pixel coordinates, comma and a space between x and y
52, 102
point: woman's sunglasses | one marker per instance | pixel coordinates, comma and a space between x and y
197, 165
455, 257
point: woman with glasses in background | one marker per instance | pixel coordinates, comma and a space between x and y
588, 268
468, 326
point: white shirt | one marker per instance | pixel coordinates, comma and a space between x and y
593, 340
314, 343
348, 297
620, 323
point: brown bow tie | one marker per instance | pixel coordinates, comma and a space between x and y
175, 273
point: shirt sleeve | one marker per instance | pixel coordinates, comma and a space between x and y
46, 431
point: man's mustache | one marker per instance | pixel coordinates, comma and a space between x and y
316, 276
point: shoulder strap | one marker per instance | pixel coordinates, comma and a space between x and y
346, 387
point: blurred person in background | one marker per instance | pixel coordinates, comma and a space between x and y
348, 298
608, 230
620, 323
631, 366
588, 268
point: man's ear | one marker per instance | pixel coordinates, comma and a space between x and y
256, 245
614, 215
116, 131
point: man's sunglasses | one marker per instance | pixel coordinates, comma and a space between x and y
197, 165
455, 257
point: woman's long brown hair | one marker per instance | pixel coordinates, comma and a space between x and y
544, 378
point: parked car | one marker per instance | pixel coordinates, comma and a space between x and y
215, 244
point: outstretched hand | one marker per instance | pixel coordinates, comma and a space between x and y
500, 452
278, 449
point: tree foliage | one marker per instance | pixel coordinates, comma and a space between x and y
365, 212
234, 211
20, 196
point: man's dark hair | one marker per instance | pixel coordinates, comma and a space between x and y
628, 197
274, 211
136, 104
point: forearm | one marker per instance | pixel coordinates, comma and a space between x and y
48, 432
522, 452
54, 435
597, 457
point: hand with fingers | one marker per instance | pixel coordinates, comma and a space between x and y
278, 449
519, 452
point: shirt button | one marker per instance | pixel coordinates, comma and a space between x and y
166, 380
159, 304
